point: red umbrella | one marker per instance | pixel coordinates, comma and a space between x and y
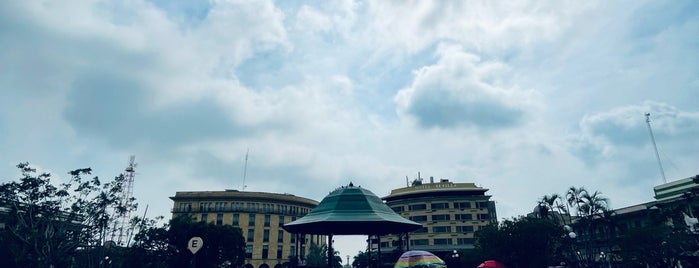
491, 264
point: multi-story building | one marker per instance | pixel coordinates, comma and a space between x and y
599, 241
259, 215
449, 212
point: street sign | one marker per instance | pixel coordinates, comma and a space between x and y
195, 243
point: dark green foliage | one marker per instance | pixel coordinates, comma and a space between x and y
361, 260
223, 244
45, 224
660, 244
318, 257
521, 242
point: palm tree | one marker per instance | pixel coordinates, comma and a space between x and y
574, 198
591, 208
549, 205
592, 204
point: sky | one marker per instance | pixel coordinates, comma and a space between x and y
524, 98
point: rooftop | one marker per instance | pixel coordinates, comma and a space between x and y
444, 186
241, 195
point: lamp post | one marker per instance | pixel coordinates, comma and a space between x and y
455, 258
603, 258
570, 235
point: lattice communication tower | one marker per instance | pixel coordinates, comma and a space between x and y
122, 225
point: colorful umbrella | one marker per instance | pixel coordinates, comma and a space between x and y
491, 264
418, 258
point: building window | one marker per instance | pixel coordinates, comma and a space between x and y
420, 231
483, 216
293, 238
236, 219
185, 207
265, 251
483, 204
463, 217
219, 219
204, 217
292, 250
441, 229
281, 221
265, 236
442, 241
251, 219
397, 209
267, 219
251, 235
418, 207
418, 218
220, 206
280, 250
439, 205
464, 229
248, 252
204, 206
462, 205
464, 241
419, 242
442, 217
280, 236
384, 244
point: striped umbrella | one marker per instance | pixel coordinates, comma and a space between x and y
418, 258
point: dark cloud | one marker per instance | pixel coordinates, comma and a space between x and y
445, 108
121, 111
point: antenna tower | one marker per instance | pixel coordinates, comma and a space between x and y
245, 169
655, 147
122, 231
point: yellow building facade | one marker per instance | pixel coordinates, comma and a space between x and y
259, 215
450, 213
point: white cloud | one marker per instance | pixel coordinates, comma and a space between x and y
461, 90
324, 93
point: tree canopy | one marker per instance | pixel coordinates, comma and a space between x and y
521, 242
70, 224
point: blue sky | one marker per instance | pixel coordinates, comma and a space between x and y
524, 98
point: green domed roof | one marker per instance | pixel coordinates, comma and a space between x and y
351, 210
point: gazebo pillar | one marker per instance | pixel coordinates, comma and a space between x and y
378, 250
331, 252
407, 241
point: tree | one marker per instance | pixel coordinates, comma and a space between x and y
361, 260
665, 241
318, 256
45, 224
552, 207
223, 244
151, 246
521, 242
574, 198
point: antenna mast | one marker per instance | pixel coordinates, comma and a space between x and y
121, 225
657, 156
245, 169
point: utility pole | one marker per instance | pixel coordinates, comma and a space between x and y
657, 156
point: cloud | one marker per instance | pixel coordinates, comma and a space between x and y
462, 91
104, 105
617, 142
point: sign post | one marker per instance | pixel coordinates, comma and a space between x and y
194, 245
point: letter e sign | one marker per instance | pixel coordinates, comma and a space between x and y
195, 243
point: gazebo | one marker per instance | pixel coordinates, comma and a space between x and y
351, 210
